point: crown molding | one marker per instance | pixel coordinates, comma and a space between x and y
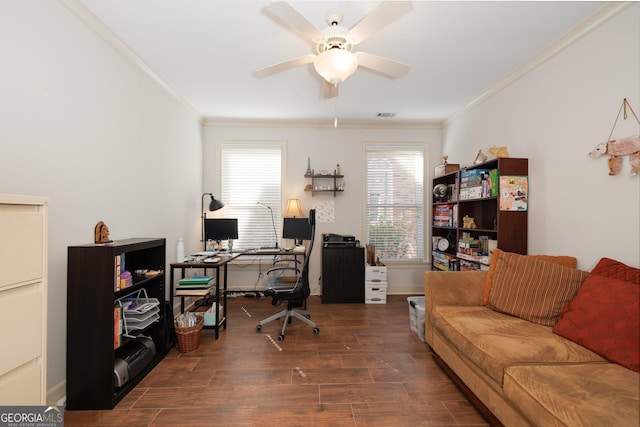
218, 122
602, 15
78, 8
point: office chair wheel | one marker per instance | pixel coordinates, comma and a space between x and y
259, 328
281, 337
316, 331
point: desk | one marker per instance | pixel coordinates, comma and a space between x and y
225, 259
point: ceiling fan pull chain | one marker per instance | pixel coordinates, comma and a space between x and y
335, 111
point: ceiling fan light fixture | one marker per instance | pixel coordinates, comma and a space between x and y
336, 65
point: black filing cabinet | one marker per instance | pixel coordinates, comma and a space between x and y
342, 275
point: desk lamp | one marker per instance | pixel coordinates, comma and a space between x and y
214, 205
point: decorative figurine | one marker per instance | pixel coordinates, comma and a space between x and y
101, 233
499, 152
468, 222
308, 172
480, 158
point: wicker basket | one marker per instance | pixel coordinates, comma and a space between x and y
189, 337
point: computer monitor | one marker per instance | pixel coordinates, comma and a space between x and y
296, 228
220, 229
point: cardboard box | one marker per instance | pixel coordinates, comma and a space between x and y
445, 169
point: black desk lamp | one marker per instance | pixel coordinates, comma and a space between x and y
214, 205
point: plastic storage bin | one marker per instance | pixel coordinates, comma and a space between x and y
416, 316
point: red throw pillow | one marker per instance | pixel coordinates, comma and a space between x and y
604, 317
611, 268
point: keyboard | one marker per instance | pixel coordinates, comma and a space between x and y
205, 253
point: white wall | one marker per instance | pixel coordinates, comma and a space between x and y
326, 146
554, 116
83, 126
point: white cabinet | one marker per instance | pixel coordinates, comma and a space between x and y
23, 299
375, 284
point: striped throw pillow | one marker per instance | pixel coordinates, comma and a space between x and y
567, 261
531, 289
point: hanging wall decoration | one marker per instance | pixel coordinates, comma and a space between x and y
615, 148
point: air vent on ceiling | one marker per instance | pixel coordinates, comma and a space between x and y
385, 115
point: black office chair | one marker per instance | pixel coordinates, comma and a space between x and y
293, 289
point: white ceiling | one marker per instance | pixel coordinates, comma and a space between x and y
206, 51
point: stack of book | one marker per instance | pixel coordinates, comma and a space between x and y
195, 285
472, 249
444, 262
478, 183
445, 216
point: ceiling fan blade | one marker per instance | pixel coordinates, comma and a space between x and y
292, 20
382, 65
330, 90
378, 18
283, 66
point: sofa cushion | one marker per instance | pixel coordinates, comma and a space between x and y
566, 261
605, 317
594, 394
492, 341
533, 290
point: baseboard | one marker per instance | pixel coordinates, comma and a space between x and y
57, 395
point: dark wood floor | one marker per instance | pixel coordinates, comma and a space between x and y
365, 368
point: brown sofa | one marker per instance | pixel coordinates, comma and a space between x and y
521, 371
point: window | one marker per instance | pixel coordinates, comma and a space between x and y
394, 197
251, 188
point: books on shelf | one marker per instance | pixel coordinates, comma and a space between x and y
444, 262
195, 285
117, 327
478, 183
195, 282
445, 216
192, 292
478, 259
117, 272
466, 265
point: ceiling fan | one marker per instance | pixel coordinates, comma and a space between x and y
335, 60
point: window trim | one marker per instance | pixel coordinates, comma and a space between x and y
257, 144
368, 146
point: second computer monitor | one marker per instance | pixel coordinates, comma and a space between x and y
220, 229
296, 228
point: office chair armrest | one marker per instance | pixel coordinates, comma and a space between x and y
283, 269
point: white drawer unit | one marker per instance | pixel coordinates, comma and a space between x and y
23, 283
375, 284
375, 274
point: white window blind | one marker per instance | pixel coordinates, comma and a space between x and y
251, 174
394, 201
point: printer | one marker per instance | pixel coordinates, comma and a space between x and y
131, 359
330, 240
